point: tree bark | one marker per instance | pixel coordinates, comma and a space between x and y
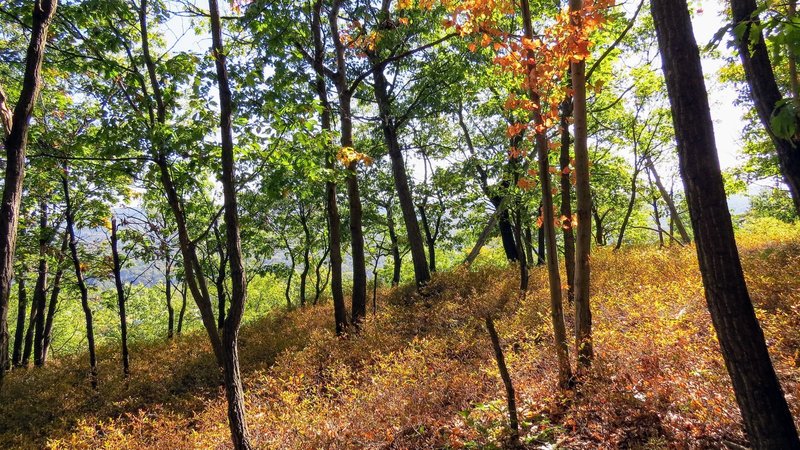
673, 211
22, 307
40, 291
76, 262
230, 332
511, 397
51, 306
397, 260
766, 416
28, 347
359, 295
15, 145
764, 90
554, 279
583, 195
334, 220
389, 127
121, 300
566, 200
168, 293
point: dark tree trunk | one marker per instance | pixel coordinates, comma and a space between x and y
397, 260
334, 221
40, 292
583, 243
51, 306
430, 239
523, 262
28, 348
19, 333
389, 126
219, 282
182, 312
168, 293
566, 200
766, 416
15, 143
344, 91
673, 211
319, 284
764, 90
193, 271
76, 262
511, 397
306, 255
629, 210
554, 279
540, 256
121, 300
230, 332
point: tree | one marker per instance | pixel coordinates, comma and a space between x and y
766, 416
15, 126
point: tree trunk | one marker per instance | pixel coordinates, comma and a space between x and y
15, 143
182, 312
629, 210
429, 239
19, 333
51, 306
168, 292
359, 296
548, 227
389, 127
40, 291
306, 256
566, 200
583, 194
76, 262
673, 211
540, 256
193, 271
523, 262
28, 348
219, 282
123, 317
397, 260
764, 90
334, 220
766, 416
230, 332
319, 285
511, 397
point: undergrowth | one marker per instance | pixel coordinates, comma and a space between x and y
421, 373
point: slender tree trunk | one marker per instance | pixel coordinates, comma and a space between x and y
193, 271
764, 90
359, 295
397, 260
657, 219
523, 262
76, 262
334, 220
51, 306
182, 312
628, 211
28, 347
540, 255
566, 200
16, 139
306, 257
219, 282
121, 300
513, 421
554, 279
583, 194
766, 416
673, 211
429, 239
528, 240
230, 332
168, 292
422, 273
40, 292
22, 307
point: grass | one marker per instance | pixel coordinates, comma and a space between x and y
422, 375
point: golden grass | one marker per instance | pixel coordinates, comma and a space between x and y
422, 375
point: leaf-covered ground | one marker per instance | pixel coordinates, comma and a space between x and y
422, 374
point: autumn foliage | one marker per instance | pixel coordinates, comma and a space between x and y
422, 374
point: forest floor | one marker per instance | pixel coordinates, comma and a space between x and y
422, 372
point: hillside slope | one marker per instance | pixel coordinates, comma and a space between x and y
422, 374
